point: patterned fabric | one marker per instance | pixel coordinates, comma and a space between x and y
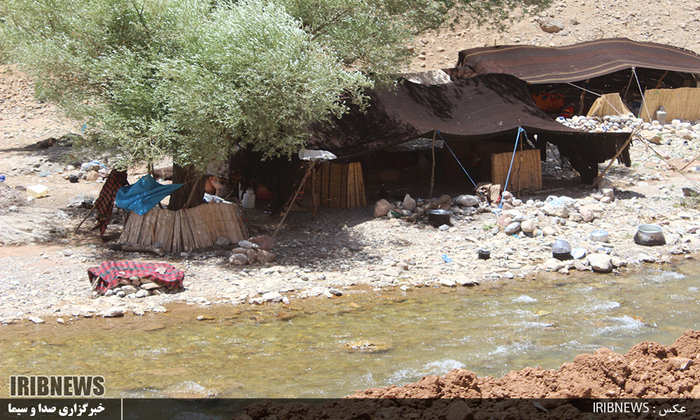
107, 275
105, 202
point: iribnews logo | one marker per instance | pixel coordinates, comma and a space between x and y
57, 386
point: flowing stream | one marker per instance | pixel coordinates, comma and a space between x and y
306, 350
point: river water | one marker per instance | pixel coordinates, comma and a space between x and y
305, 349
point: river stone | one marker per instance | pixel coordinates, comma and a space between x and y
587, 215
447, 282
382, 208
558, 210
128, 289
575, 216
549, 231
466, 200
238, 259
150, 286
36, 320
142, 293
650, 136
581, 265
409, 203
114, 312
601, 263
554, 264
512, 228
223, 241
528, 226
272, 297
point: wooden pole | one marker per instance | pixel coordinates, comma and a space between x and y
583, 95
291, 202
619, 152
313, 192
432, 175
671, 164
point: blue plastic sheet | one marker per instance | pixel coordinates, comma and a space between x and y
143, 195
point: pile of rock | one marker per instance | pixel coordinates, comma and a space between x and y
91, 172
653, 132
254, 249
135, 287
463, 205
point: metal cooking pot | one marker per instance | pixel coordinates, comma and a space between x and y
649, 235
561, 250
439, 217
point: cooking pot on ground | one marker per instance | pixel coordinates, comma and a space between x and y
649, 235
439, 217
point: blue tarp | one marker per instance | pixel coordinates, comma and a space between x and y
143, 195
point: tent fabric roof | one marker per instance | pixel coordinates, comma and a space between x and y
484, 107
541, 65
481, 107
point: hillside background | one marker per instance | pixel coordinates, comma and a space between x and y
664, 22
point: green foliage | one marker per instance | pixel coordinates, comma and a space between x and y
194, 78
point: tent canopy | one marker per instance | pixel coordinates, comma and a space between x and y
483, 107
587, 60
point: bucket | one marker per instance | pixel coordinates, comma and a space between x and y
248, 201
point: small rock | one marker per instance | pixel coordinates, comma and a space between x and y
466, 200
528, 226
114, 312
223, 241
142, 293
409, 203
587, 215
382, 208
36, 320
264, 242
238, 259
601, 263
60, 321
512, 228
551, 25
549, 231
272, 297
266, 256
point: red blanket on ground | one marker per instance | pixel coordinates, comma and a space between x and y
109, 273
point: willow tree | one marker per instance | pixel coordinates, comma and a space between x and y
194, 79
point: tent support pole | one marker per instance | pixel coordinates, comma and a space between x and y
432, 175
619, 152
294, 198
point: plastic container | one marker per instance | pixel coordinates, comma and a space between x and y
661, 115
248, 201
38, 191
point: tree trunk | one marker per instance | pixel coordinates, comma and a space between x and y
191, 194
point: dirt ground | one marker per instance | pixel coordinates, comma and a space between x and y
37, 237
665, 378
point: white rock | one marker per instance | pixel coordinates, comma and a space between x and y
528, 226
142, 293
558, 210
114, 312
466, 200
272, 297
601, 263
36, 320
